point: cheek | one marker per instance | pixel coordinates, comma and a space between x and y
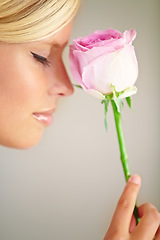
22, 91
22, 84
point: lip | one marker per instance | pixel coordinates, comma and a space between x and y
45, 116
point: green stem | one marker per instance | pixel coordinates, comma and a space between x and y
123, 152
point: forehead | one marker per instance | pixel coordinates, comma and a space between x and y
59, 38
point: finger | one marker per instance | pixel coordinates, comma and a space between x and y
132, 224
124, 211
157, 236
148, 224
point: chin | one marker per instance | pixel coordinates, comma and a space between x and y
22, 143
25, 145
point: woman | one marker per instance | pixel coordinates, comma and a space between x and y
33, 35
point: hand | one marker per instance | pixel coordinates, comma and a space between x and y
123, 226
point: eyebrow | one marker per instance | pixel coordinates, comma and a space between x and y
56, 45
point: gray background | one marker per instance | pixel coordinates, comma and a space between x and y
67, 187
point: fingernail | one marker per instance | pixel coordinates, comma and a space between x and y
135, 179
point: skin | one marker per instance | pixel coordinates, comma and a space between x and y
28, 86
123, 223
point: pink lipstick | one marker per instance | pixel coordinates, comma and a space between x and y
44, 117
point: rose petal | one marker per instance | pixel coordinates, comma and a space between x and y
129, 36
104, 58
118, 68
95, 93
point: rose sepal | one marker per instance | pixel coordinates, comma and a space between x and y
76, 85
127, 93
115, 96
118, 96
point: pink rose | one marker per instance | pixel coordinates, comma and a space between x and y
104, 59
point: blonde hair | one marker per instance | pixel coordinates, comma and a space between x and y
32, 20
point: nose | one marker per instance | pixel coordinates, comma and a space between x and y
61, 85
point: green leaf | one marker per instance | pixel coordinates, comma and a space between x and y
118, 103
106, 103
129, 101
109, 96
116, 99
78, 86
114, 92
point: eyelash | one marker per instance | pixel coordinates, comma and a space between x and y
41, 59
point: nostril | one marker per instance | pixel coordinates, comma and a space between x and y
67, 89
60, 83
61, 94
61, 90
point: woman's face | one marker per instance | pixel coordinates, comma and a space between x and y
32, 78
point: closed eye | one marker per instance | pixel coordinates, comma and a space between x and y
41, 59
